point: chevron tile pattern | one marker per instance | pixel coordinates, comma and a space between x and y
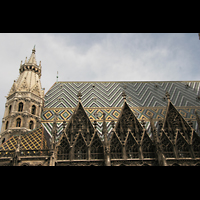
108, 94
144, 98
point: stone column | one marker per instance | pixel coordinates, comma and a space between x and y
38, 110
191, 151
27, 105
38, 121
25, 120
3, 125
6, 110
175, 151
123, 151
15, 109
71, 153
12, 122
88, 153
53, 159
140, 152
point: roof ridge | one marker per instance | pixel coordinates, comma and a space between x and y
158, 81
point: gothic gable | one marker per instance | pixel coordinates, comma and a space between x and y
35, 89
13, 89
167, 146
79, 122
115, 147
80, 148
96, 147
196, 144
147, 146
23, 86
131, 147
63, 148
127, 122
182, 146
173, 122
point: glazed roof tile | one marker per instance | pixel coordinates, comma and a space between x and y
143, 97
33, 140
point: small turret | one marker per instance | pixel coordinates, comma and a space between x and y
31, 65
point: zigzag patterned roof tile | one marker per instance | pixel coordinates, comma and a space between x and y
109, 94
97, 97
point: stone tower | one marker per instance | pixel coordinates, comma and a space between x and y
24, 102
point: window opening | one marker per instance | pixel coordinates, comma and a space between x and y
33, 111
31, 125
6, 125
18, 124
20, 107
10, 107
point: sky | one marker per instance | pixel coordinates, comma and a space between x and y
100, 57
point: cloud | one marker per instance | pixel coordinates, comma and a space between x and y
101, 57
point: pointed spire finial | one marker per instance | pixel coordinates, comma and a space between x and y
32, 58
54, 129
167, 95
104, 116
143, 123
104, 122
112, 123
105, 131
95, 124
79, 95
33, 50
124, 95
64, 125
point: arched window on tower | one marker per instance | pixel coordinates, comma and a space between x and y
33, 110
18, 122
31, 125
20, 108
10, 107
6, 125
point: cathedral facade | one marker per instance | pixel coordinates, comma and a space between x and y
153, 123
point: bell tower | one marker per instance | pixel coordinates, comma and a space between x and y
24, 102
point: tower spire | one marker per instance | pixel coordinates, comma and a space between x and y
24, 101
32, 59
33, 50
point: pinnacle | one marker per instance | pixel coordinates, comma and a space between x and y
32, 59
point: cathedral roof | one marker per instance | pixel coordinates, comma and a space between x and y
146, 98
108, 94
33, 140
